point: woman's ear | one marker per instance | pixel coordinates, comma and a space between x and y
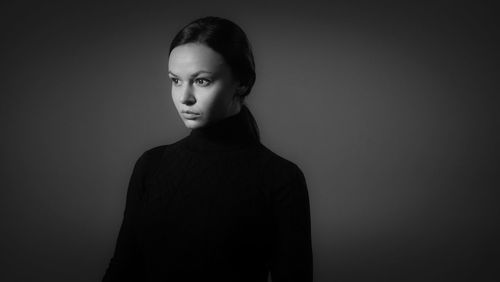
241, 90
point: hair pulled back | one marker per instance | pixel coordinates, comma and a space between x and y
226, 38
230, 41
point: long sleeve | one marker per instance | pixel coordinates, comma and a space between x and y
126, 265
291, 256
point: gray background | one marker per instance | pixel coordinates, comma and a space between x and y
391, 111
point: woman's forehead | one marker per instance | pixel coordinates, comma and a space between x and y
194, 57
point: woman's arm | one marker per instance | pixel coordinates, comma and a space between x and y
291, 258
126, 265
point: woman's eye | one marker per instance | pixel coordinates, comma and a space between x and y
174, 80
202, 81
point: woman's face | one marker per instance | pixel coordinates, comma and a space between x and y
203, 87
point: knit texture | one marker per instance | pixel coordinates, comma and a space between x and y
216, 205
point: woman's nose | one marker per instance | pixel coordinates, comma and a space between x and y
187, 96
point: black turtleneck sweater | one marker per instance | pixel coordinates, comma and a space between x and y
215, 206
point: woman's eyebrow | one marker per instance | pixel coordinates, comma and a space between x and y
193, 75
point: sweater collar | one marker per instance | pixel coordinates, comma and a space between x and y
230, 133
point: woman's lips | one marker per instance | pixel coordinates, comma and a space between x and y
190, 115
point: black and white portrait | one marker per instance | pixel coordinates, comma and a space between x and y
252, 141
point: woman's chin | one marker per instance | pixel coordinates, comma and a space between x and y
193, 123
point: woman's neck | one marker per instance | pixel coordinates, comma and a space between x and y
232, 132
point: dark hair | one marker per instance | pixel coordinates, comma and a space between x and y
230, 41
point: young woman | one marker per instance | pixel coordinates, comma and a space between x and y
216, 205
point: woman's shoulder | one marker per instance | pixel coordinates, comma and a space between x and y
153, 155
153, 152
283, 177
278, 165
158, 151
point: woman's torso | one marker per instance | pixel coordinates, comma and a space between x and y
207, 213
